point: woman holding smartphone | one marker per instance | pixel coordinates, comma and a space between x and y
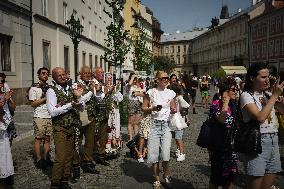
160, 103
258, 104
224, 110
135, 93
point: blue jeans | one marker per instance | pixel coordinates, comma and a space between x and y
268, 161
159, 142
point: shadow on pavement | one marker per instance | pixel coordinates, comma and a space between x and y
204, 169
180, 184
140, 172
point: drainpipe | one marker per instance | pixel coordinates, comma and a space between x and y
32, 39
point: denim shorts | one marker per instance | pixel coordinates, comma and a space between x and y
268, 161
178, 134
159, 142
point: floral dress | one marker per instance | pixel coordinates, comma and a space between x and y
223, 163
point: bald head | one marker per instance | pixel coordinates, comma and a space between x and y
59, 75
99, 74
85, 73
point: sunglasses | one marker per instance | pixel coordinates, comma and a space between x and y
3, 81
234, 89
164, 78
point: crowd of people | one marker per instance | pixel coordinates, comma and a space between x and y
86, 112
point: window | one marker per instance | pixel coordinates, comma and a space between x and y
95, 33
101, 62
91, 61
95, 6
259, 50
278, 24
96, 61
277, 47
46, 54
167, 50
84, 58
89, 3
100, 9
178, 50
184, 48
173, 49
83, 24
90, 30
65, 13
5, 54
66, 58
271, 48
264, 49
254, 49
282, 49
44, 8
101, 36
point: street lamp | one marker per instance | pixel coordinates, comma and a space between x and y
75, 31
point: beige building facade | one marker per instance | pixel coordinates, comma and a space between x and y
178, 47
16, 46
53, 46
225, 44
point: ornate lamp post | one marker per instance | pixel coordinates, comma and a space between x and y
75, 31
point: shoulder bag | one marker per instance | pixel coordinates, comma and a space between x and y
248, 137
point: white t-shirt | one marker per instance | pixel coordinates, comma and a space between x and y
269, 126
164, 99
134, 88
41, 111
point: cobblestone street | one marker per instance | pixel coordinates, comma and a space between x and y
123, 172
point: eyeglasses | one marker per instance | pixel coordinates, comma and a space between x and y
164, 78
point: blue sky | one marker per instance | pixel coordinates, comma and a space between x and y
185, 14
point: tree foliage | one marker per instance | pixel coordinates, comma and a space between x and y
220, 73
141, 53
163, 63
116, 45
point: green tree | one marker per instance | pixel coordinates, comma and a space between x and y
116, 45
220, 73
141, 53
163, 63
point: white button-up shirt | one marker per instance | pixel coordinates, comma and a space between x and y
56, 109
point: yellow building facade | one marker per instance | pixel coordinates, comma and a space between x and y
131, 8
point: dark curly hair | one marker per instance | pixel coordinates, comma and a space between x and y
225, 84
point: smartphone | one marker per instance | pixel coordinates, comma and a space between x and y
159, 107
113, 79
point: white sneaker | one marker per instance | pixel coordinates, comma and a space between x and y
181, 157
140, 159
177, 153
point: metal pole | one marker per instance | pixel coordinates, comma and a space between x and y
75, 60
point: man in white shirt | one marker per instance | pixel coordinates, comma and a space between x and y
63, 104
88, 131
42, 120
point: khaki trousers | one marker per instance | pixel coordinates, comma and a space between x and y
101, 137
64, 148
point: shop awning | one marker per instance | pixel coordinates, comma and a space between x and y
230, 70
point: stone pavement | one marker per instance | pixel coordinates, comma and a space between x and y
123, 172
